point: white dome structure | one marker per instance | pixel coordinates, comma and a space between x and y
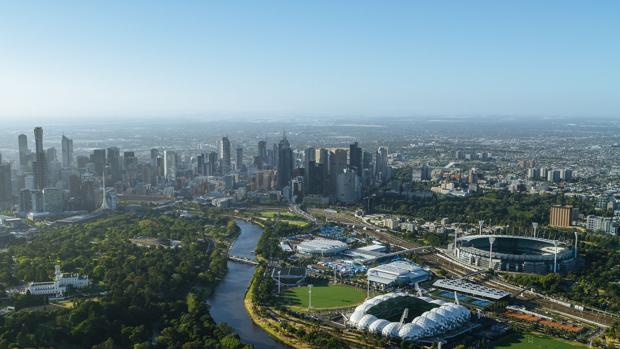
410, 332
365, 321
355, 317
460, 311
428, 326
391, 329
446, 317
377, 326
438, 318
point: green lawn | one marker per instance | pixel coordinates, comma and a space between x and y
535, 341
323, 297
284, 216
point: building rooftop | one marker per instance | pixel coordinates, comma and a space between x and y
471, 288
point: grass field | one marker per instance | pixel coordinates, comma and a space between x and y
323, 297
393, 309
284, 216
535, 341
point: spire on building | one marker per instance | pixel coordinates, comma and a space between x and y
104, 201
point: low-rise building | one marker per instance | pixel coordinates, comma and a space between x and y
396, 273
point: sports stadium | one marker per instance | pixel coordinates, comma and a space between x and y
402, 315
515, 253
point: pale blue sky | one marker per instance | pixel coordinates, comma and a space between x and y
308, 58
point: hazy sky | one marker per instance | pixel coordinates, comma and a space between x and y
163, 59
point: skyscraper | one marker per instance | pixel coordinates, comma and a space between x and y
381, 164
225, 155
114, 161
170, 164
23, 152
67, 152
285, 163
212, 164
355, 158
262, 150
98, 158
40, 165
6, 196
239, 158
337, 164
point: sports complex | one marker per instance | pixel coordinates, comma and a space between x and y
515, 253
402, 315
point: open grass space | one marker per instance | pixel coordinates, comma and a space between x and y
392, 309
323, 297
284, 216
535, 341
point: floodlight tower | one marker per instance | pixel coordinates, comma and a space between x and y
279, 282
481, 224
491, 241
367, 289
535, 226
309, 296
555, 255
456, 234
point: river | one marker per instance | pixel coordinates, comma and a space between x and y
227, 300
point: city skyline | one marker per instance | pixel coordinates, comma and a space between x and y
207, 60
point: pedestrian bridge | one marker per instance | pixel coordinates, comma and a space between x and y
240, 259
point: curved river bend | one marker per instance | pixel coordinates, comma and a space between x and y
227, 300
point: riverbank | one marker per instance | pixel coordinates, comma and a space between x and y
270, 326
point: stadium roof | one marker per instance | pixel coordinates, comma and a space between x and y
399, 270
471, 288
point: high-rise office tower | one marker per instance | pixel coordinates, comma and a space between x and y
40, 165
381, 164
67, 152
200, 164
309, 161
337, 164
114, 161
6, 196
50, 155
285, 163
262, 150
170, 164
355, 158
154, 155
24, 152
212, 164
98, 157
225, 155
323, 159
274, 157
239, 158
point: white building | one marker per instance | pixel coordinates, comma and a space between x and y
321, 247
396, 273
602, 224
59, 286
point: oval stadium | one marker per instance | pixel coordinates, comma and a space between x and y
515, 253
404, 316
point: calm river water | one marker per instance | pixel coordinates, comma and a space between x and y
227, 300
